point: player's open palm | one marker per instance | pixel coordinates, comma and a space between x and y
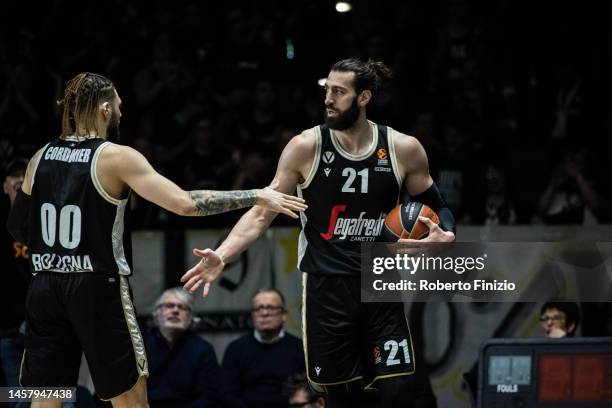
205, 272
279, 202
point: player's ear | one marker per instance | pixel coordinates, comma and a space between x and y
107, 110
364, 98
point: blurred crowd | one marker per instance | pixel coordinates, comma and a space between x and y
508, 100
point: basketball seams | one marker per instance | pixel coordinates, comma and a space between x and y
399, 224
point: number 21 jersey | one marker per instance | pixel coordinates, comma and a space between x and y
348, 198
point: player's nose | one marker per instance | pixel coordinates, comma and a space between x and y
328, 100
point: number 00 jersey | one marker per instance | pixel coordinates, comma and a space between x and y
348, 198
75, 225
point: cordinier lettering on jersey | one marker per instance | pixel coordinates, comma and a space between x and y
61, 263
68, 155
360, 229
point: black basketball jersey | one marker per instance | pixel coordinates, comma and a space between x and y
75, 226
348, 198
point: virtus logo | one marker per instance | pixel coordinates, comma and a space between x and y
328, 157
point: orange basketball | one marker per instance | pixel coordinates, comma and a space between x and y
403, 222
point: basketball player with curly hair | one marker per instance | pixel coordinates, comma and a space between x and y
71, 211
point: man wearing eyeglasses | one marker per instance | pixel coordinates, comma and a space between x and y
559, 319
257, 364
183, 368
300, 394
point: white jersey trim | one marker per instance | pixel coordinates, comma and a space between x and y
315, 162
354, 157
129, 312
302, 241
117, 239
37, 163
94, 176
393, 157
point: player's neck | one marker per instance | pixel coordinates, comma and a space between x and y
357, 138
83, 133
83, 136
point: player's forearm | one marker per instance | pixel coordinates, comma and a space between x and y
248, 229
209, 202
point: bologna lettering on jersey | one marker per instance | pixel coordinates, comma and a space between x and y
348, 198
66, 263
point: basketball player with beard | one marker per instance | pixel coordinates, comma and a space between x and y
350, 171
71, 211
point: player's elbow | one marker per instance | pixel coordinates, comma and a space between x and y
182, 206
186, 209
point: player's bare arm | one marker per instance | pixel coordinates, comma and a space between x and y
293, 167
414, 167
121, 166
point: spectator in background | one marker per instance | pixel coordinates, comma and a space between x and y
495, 204
254, 169
559, 319
459, 39
456, 171
14, 280
183, 367
570, 191
423, 128
257, 364
300, 394
568, 103
203, 159
262, 118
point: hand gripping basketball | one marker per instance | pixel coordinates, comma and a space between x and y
417, 225
407, 221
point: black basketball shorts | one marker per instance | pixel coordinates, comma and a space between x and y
346, 340
72, 313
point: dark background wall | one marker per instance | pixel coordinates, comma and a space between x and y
509, 98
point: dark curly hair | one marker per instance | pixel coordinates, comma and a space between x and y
368, 75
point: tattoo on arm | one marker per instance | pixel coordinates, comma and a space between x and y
208, 202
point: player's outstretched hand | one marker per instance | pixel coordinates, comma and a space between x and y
204, 273
279, 202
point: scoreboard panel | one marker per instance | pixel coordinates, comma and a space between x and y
545, 373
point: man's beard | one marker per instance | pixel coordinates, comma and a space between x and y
112, 132
345, 119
